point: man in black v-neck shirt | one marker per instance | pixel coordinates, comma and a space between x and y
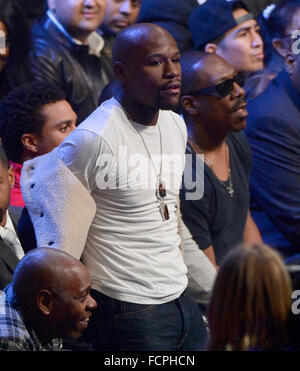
214, 110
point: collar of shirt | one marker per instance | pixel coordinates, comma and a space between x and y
3, 231
95, 41
8, 225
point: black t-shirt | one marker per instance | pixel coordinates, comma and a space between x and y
217, 218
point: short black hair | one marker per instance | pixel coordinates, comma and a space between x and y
20, 113
3, 157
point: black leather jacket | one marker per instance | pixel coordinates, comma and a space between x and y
56, 59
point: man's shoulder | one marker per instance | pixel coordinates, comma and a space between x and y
242, 149
47, 40
105, 117
266, 104
239, 139
100, 132
12, 327
39, 32
173, 120
45, 47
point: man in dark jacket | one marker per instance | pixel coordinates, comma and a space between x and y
273, 131
10, 247
68, 52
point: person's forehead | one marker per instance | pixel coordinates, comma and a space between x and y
157, 43
213, 71
57, 110
247, 25
78, 278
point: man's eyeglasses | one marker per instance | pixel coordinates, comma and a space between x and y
224, 88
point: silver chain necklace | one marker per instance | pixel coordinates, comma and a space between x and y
161, 192
226, 184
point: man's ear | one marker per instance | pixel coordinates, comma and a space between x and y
211, 48
120, 71
290, 62
44, 301
189, 104
30, 142
11, 177
278, 45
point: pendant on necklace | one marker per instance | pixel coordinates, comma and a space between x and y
164, 211
161, 191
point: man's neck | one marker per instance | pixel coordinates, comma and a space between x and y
70, 34
208, 141
41, 329
138, 113
80, 37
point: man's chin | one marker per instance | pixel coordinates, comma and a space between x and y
239, 126
169, 105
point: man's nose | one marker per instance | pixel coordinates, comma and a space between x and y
238, 91
90, 3
91, 303
126, 7
257, 40
172, 68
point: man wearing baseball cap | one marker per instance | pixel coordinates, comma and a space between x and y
229, 30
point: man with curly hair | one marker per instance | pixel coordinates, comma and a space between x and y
34, 119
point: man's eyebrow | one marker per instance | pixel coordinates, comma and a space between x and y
82, 293
241, 29
246, 28
85, 291
61, 122
224, 78
160, 55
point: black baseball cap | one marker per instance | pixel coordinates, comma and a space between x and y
213, 18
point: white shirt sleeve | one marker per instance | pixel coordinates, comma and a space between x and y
89, 157
201, 272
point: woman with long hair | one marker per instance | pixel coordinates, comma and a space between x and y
14, 58
251, 301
